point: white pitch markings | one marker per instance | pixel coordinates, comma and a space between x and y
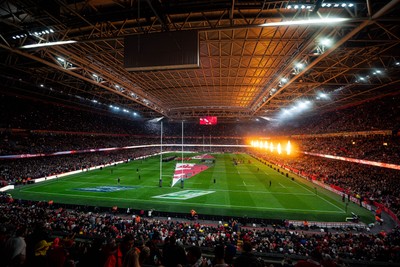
244, 183
282, 185
185, 204
319, 196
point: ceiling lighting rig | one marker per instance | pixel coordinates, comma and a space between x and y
301, 6
337, 4
36, 32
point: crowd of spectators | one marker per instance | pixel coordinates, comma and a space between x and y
52, 237
17, 170
381, 148
34, 127
371, 183
380, 114
377, 114
22, 114
33, 143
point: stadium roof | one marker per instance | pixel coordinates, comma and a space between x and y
249, 65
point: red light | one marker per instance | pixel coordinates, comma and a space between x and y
208, 120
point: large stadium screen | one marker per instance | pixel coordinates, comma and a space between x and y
208, 120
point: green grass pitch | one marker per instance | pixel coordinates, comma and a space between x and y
239, 190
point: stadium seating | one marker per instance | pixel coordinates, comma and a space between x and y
46, 128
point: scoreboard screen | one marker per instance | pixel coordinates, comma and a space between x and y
208, 120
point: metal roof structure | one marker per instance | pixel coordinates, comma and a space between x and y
253, 63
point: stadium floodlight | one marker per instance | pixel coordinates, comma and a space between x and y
377, 72
267, 118
319, 21
299, 65
322, 95
302, 105
48, 44
156, 119
325, 42
297, 68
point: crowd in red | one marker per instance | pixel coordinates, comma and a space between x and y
47, 128
53, 236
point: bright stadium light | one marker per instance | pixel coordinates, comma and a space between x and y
266, 144
48, 44
288, 148
261, 144
376, 72
326, 42
319, 21
302, 105
279, 149
322, 95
